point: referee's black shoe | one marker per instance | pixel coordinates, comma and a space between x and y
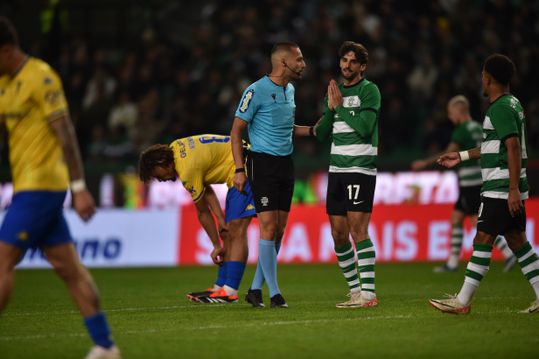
254, 297
277, 301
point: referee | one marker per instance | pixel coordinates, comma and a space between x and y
267, 110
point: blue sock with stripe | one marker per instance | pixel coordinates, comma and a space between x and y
267, 258
258, 280
99, 330
221, 275
234, 274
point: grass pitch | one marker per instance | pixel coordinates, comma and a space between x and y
151, 318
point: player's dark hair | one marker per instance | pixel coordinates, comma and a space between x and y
500, 67
362, 55
154, 156
8, 34
284, 45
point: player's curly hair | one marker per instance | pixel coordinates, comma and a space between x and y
500, 67
362, 55
154, 156
8, 34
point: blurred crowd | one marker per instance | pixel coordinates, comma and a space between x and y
176, 83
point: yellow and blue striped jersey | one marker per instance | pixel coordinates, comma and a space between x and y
203, 160
29, 101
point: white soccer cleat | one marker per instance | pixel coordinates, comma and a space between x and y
450, 305
533, 308
98, 352
357, 300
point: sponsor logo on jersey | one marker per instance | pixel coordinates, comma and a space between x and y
246, 100
351, 101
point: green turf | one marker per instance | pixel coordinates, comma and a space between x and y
151, 318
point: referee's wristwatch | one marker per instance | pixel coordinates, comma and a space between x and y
240, 170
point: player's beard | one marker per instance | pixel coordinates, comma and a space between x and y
350, 75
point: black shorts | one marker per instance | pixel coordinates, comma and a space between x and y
469, 200
349, 192
272, 181
494, 217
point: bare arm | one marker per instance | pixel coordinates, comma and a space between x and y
451, 159
418, 165
207, 222
514, 165
303, 131
238, 127
215, 207
83, 201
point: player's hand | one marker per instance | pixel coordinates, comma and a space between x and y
449, 160
84, 204
217, 255
239, 181
514, 202
418, 165
334, 95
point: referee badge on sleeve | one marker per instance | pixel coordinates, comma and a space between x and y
246, 100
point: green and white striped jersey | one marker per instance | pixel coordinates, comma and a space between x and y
468, 135
504, 118
355, 137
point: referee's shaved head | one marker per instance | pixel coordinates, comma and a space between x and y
287, 61
282, 50
283, 47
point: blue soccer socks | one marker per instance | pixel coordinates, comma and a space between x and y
221, 275
99, 330
267, 260
234, 274
258, 280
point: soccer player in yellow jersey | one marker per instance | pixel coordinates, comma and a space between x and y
198, 162
45, 161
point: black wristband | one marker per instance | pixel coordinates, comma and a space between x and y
240, 170
311, 131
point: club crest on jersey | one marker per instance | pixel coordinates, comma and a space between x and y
351, 101
246, 100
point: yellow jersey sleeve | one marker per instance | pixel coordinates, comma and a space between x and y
49, 96
193, 183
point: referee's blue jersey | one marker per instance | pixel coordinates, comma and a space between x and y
269, 111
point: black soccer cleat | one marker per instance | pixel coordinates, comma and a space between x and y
254, 297
194, 295
217, 297
277, 301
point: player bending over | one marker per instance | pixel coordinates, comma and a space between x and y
198, 162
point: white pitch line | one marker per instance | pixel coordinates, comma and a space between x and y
112, 310
210, 327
